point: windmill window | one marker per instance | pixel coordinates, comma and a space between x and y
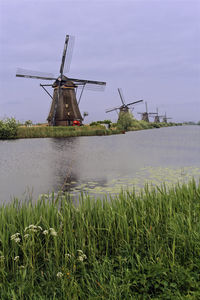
66, 105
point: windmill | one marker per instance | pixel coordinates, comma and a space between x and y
165, 118
124, 108
64, 107
157, 117
146, 114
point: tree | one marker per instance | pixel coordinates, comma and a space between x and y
28, 123
125, 120
8, 128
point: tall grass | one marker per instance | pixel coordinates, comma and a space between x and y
143, 246
70, 131
62, 131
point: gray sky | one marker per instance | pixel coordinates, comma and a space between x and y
150, 49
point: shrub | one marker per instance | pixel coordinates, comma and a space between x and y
125, 121
8, 128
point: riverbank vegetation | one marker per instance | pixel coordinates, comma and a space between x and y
11, 129
142, 246
8, 128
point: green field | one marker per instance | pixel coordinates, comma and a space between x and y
134, 246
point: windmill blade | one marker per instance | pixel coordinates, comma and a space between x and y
112, 109
146, 106
64, 55
83, 81
121, 95
69, 53
134, 102
34, 74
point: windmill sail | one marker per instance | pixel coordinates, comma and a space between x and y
34, 74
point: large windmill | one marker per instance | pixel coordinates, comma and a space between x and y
124, 108
165, 118
146, 114
64, 107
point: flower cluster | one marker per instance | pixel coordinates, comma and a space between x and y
15, 237
33, 228
59, 275
51, 231
16, 258
81, 256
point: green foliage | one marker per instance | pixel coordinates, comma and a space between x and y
142, 246
101, 122
28, 123
125, 121
8, 128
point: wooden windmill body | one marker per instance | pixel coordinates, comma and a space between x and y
124, 108
64, 107
157, 117
165, 118
145, 115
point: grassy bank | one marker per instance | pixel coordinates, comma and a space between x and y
132, 247
63, 131
86, 130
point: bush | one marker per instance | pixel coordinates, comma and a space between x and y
8, 128
125, 121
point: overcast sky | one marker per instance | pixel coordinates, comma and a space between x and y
150, 49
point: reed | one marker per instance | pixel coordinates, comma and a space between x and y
65, 131
70, 131
131, 246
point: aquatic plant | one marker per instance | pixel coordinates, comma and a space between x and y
130, 246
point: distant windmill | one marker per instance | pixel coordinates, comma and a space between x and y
64, 108
146, 114
165, 118
157, 117
124, 108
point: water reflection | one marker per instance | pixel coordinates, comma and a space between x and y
100, 164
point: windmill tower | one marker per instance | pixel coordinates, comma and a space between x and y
165, 118
157, 117
146, 114
124, 108
64, 107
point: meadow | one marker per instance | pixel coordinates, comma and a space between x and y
131, 246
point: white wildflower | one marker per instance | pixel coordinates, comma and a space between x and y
53, 232
45, 232
39, 227
26, 236
14, 236
80, 258
67, 255
16, 258
59, 275
32, 228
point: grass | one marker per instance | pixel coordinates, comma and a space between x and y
86, 130
62, 131
143, 246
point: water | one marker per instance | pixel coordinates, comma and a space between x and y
100, 164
